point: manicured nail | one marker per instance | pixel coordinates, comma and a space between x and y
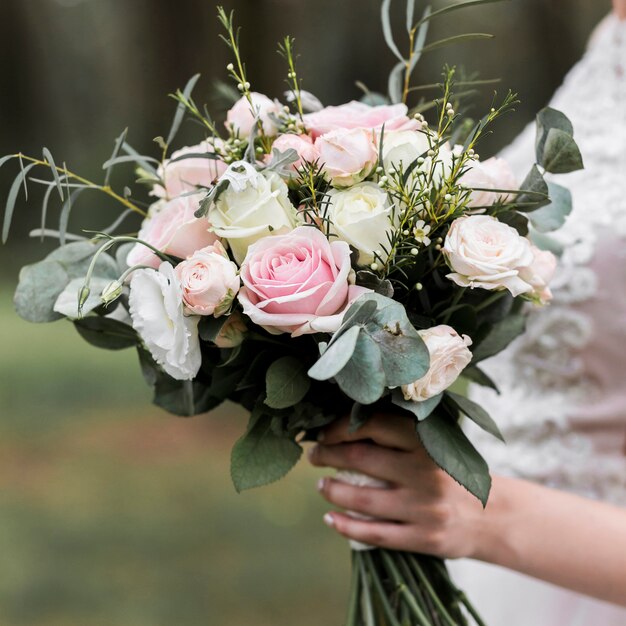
329, 520
321, 484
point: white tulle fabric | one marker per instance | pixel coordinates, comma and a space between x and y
562, 407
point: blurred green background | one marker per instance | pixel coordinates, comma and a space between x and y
111, 512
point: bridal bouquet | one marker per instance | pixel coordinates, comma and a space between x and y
309, 262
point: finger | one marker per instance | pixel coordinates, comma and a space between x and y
389, 430
373, 533
386, 504
393, 466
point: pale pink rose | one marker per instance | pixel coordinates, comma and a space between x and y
484, 252
185, 175
347, 156
172, 228
486, 176
302, 144
297, 283
449, 356
539, 274
233, 332
240, 118
359, 115
209, 280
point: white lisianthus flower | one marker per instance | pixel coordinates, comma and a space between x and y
484, 252
362, 217
156, 310
449, 356
258, 206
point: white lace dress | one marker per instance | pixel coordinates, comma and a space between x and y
563, 403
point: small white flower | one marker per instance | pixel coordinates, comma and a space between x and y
421, 232
156, 309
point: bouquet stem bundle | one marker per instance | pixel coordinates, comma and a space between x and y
392, 588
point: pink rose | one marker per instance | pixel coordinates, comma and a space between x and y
449, 356
302, 144
358, 115
185, 175
171, 227
485, 176
297, 283
240, 119
539, 274
347, 156
209, 281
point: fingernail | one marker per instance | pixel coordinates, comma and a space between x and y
329, 520
321, 435
321, 483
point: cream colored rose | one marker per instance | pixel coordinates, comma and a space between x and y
484, 177
257, 206
449, 356
486, 253
243, 115
539, 274
347, 157
362, 217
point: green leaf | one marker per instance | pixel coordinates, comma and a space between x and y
261, 456
106, 333
363, 377
544, 242
476, 413
547, 119
180, 109
535, 192
286, 383
385, 14
47, 155
452, 451
552, 216
421, 410
76, 257
368, 279
66, 210
448, 41
499, 337
336, 356
38, 289
515, 220
67, 302
360, 312
478, 376
210, 327
12, 199
560, 153
119, 142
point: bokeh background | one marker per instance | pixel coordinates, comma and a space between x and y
111, 512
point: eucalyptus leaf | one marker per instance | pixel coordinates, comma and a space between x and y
47, 155
210, 327
107, 333
547, 119
421, 410
119, 142
12, 199
552, 216
478, 376
363, 378
336, 356
67, 302
286, 383
535, 192
385, 14
476, 413
262, 456
544, 242
76, 257
180, 109
561, 154
368, 279
65, 213
37, 291
453, 452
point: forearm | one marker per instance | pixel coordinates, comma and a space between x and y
561, 538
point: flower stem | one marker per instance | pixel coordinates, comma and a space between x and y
378, 585
353, 607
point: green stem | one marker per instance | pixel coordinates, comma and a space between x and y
489, 301
367, 606
460, 594
407, 596
378, 585
353, 607
409, 576
417, 568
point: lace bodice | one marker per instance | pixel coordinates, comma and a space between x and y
562, 406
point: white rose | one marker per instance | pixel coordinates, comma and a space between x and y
347, 156
539, 274
183, 172
486, 176
486, 253
362, 217
402, 148
156, 309
257, 207
209, 281
241, 118
449, 356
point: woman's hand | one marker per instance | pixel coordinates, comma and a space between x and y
619, 6
423, 510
